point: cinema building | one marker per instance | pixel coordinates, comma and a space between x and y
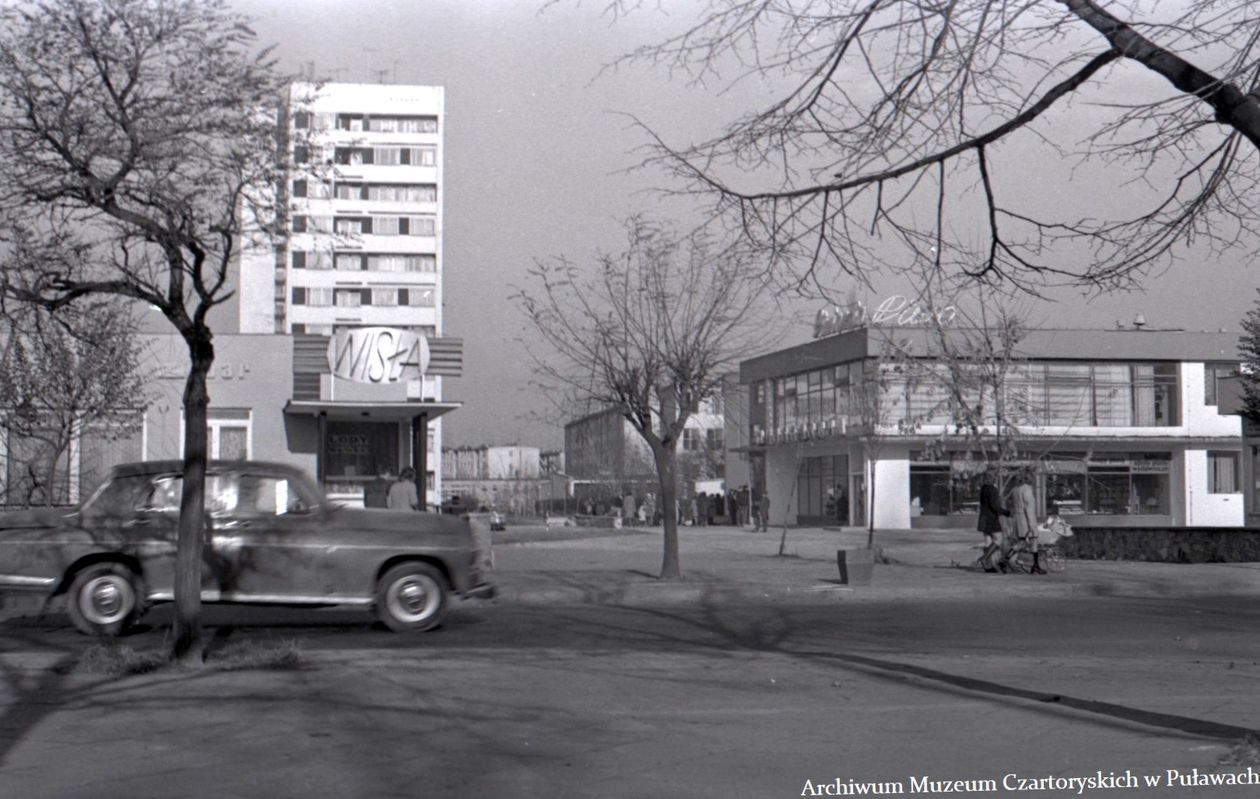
1121, 427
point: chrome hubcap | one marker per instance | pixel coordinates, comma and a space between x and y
107, 599
414, 598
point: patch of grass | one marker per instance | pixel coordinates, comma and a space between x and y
114, 660
1243, 753
119, 660
282, 655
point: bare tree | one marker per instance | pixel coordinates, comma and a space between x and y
650, 332
904, 128
137, 151
1249, 349
59, 377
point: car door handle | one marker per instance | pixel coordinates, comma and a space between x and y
235, 525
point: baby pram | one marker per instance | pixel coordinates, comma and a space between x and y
1048, 534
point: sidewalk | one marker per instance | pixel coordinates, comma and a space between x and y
732, 564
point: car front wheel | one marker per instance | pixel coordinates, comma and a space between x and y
411, 597
104, 599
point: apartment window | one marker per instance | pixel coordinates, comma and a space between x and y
1223, 471
384, 296
349, 227
402, 193
349, 298
302, 120
299, 223
385, 225
301, 154
691, 439
318, 189
714, 439
421, 263
318, 296
349, 191
422, 156
389, 156
320, 259
349, 262
418, 297
386, 263
421, 226
403, 124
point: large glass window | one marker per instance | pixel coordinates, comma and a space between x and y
820, 489
1212, 375
229, 434
360, 449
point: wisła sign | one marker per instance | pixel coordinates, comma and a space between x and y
378, 354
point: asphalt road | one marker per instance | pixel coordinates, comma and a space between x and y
685, 700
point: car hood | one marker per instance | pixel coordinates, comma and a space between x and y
35, 518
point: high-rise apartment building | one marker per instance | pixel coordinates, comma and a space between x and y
363, 255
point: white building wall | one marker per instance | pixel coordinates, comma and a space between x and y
892, 488
1202, 508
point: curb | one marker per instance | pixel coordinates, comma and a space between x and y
714, 593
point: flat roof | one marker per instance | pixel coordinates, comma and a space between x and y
1040, 344
374, 411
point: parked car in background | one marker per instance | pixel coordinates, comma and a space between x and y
272, 537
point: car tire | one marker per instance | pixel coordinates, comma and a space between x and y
105, 599
412, 597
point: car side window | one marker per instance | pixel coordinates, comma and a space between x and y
222, 492
270, 496
163, 496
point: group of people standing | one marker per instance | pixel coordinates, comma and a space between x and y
739, 507
1023, 515
386, 492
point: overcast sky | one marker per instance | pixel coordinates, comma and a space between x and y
536, 148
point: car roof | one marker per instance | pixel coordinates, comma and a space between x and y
140, 468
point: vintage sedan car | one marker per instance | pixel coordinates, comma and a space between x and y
271, 537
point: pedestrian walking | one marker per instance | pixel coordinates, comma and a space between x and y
990, 524
402, 494
702, 509
763, 512
1024, 514
376, 493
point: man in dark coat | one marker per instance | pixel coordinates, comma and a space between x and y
990, 525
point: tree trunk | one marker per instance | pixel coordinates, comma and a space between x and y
188, 648
666, 472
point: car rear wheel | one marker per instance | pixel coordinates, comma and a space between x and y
104, 599
412, 597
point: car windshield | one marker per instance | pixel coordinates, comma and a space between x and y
118, 496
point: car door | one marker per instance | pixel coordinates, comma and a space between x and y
153, 527
271, 543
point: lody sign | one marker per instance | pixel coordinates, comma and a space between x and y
896, 309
